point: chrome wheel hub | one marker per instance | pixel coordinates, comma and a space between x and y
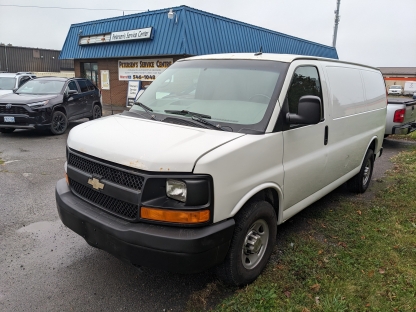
255, 244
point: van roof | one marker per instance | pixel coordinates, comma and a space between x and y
287, 58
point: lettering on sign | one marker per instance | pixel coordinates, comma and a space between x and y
143, 70
134, 34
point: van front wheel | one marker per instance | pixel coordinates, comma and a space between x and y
252, 244
360, 182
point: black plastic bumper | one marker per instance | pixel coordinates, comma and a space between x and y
22, 121
175, 249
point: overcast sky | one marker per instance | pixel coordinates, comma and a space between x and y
380, 33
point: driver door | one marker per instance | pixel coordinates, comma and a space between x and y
72, 102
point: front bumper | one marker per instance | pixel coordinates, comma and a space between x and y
26, 120
175, 249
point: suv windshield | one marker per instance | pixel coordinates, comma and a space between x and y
41, 87
7, 83
237, 94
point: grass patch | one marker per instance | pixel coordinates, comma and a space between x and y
2, 161
407, 137
359, 256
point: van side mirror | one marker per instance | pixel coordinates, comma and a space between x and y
309, 111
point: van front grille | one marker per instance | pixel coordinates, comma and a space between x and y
106, 172
119, 207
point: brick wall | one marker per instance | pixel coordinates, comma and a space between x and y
117, 95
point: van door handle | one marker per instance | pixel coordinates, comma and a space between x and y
326, 136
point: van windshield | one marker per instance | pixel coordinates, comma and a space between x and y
238, 95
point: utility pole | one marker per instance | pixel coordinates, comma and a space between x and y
336, 23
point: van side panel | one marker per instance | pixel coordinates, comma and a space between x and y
346, 90
239, 167
358, 103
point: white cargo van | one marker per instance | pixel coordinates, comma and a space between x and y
216, 153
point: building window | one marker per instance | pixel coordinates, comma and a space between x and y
90, 71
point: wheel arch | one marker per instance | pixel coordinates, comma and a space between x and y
269, 192
60, 109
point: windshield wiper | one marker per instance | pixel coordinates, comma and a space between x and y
147, 109
197, 117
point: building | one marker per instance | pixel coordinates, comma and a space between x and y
20, 59
398, 75
118, 52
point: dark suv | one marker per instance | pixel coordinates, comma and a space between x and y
49, 103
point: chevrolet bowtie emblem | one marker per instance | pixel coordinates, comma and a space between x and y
96, 184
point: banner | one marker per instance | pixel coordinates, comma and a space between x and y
142, 69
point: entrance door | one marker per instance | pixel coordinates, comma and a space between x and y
305, 155
90, 71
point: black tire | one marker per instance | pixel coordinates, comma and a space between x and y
59, 123
251, 245
360, 182
6, 130
96, 112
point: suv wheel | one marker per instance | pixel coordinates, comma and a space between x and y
59, 123
96, 112
252, 244
6, 130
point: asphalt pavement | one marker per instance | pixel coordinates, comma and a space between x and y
46, 267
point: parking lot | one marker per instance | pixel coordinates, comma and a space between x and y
46, 267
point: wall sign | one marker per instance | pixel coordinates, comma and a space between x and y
132, 90
142, 69
105, 79
134, 34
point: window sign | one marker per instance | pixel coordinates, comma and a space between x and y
132, 90
105, 80
142, 69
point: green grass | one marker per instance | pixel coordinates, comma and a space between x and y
357, 255
407, 137
2, 161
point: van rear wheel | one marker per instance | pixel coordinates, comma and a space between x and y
251, 245
360, 182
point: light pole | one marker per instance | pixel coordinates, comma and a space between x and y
336, 23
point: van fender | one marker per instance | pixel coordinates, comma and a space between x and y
375, 140
253, 192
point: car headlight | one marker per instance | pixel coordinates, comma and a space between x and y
176, 189
38, 104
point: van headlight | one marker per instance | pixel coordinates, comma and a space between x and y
176, 189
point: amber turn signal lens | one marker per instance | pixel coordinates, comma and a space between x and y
175, 216
66, 178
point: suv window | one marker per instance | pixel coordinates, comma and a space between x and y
23, 80
305, 81
83, 85
91, 87
72, 86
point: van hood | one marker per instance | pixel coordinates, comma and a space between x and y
146, 144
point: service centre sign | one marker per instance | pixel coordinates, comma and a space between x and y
143, 69
134, 34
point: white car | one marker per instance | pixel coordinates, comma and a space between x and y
218, 151
12, 81
395, 90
